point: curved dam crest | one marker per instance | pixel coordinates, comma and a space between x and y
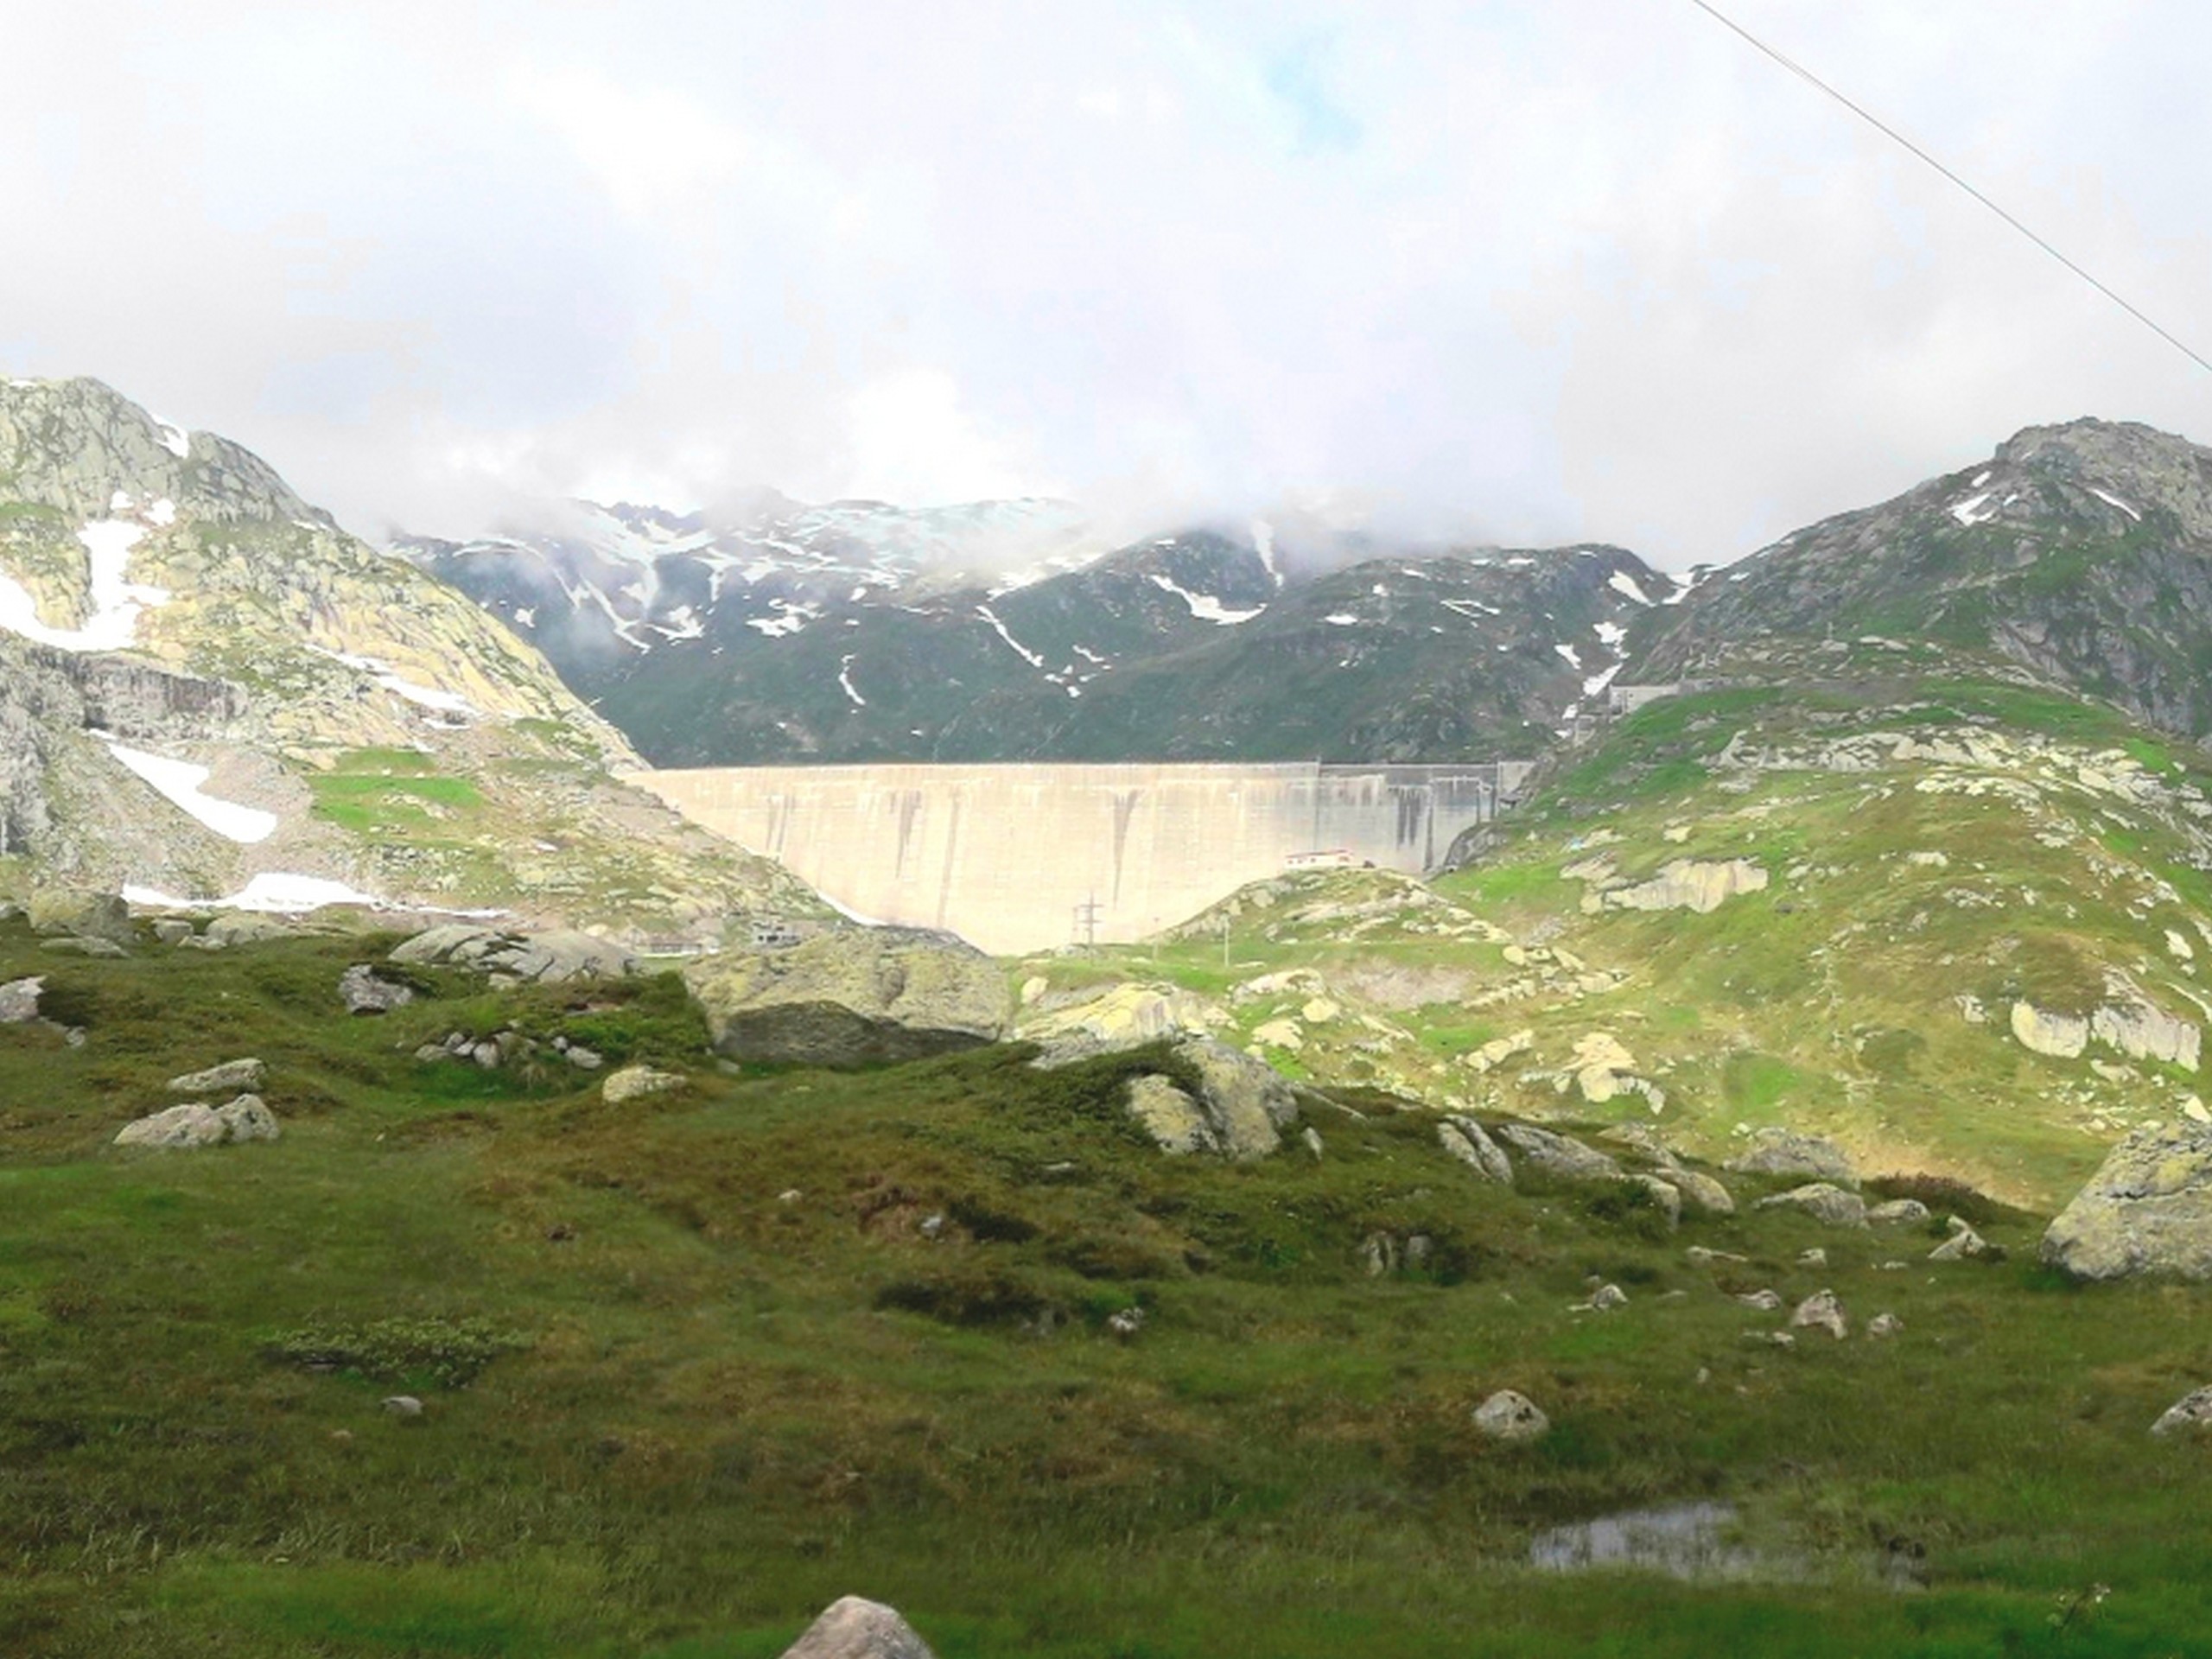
1020, 858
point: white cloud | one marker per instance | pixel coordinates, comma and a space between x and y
1560, 272
914, 442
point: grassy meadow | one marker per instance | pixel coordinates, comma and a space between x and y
694, 1367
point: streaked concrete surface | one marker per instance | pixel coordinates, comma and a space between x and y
1005, 856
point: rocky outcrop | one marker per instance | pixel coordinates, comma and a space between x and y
19, 1000
1109, 1018
851, 997
637, 1083
1965, 1245
2126, 1022
1823, 1203
1821, 1312
2191, 1414
194, 1125
1512, 1417
1686, 884
2062, 1036
548, 958
1701, 1192
1469, 1142
247, 1074
1239, 1112
363, 992
72, 914
2148, 1210
1557, 1155
854, 1628
2143, 1032
1786, 1152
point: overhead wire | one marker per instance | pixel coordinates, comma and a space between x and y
1898, 139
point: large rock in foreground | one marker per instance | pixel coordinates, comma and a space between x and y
2148, 1210
850, 997
855, 1629
193, 1125
68, 912
1241, 1109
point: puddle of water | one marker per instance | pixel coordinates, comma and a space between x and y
1683, 1540
1702, 1541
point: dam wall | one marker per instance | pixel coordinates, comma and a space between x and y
1010, 856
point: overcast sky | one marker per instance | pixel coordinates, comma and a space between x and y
1549, 271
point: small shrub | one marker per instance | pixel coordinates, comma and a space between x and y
449, 1353
1630, 1207
1942, 1195
1118, 1256
970, 1299
987, 1225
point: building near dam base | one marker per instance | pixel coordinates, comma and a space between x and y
1021, 858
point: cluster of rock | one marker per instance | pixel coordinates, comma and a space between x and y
548, 958
505, 1047
80, 923
1669, 1184
195, 1124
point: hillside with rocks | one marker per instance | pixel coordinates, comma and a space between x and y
2082, 552
1766, 1183
211, 691
1958, 925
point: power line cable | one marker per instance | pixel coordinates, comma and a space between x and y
1892, 133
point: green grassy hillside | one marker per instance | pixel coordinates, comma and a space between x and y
1932, 851
693, 1367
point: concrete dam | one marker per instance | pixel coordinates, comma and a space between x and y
1021, 858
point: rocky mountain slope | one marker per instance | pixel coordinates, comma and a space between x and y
209, 689
857, 632
1957, 921
2082, 552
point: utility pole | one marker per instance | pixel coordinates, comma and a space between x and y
1086, 923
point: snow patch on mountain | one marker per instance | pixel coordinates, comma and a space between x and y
116, 602
1204, 606
182, 783
998, 627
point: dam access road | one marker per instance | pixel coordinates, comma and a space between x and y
1021, 858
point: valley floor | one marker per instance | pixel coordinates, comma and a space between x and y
694, 1366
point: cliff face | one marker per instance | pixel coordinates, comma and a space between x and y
171, 609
